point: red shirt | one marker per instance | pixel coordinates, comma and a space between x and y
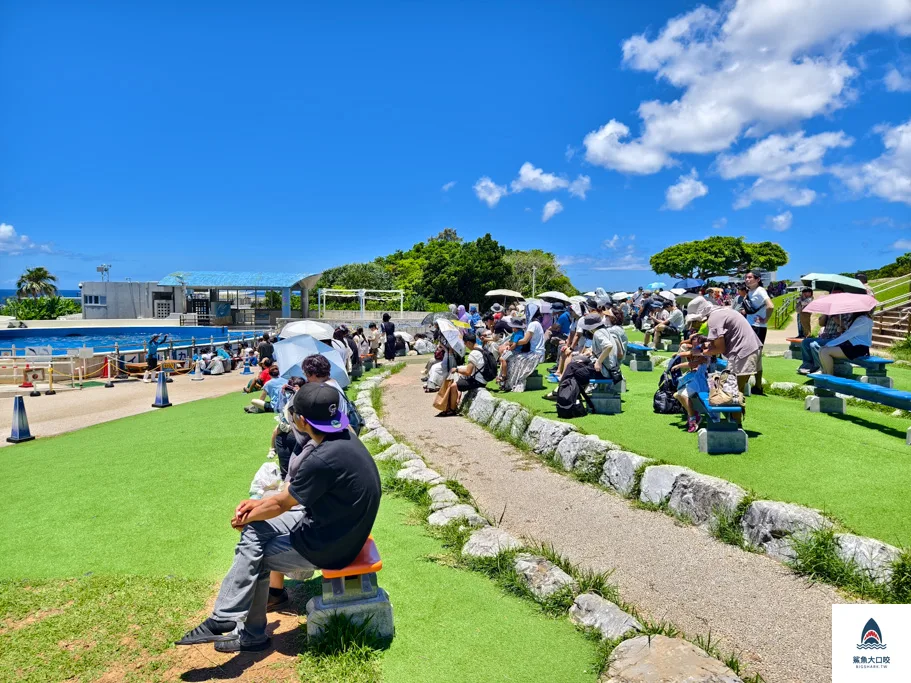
264, 376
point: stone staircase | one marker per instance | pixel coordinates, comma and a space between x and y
891, 326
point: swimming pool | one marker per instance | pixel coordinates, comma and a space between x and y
103, 339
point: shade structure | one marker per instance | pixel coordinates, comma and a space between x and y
838, 304
828, 281
620, 296
290, 353
689, 283
656, 285
315, 329
452, 335
506, 293
555, 296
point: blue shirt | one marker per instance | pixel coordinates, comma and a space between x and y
272, 388
565, 322
224, 354
153, 348
474, 319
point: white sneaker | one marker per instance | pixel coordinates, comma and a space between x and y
271, 454
147, 381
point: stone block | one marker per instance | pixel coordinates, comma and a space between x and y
542, 576
659, 659
372, 423
544, 435
701, 498
363, 403
490, 542
619, 470
878, 381
519, 424
595, 612
658, 482
381, 434
483, 407
871, 556
415, 464
771, 525
784, 386
367, 412
825, 404
606, 404
398, 452
722, 441
423, 475
503, 416
843, 369
583, 453
463, 513
441, 497
377, 609
640, 366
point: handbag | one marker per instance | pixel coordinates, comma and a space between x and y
441, 402
723, 390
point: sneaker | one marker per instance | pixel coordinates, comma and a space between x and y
803, 371
271, 454
233, 644
692, 424
209, 631
552, 396
277, 601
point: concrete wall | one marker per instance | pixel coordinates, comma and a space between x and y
102, 322
129, 299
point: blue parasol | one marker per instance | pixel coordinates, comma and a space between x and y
689, 283
290, 353
656, 285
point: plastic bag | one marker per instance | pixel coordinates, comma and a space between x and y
267, 478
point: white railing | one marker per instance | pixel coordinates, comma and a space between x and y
885, 284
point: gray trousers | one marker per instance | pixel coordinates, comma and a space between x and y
810, 349
263, 547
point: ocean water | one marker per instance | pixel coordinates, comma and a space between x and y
7, 293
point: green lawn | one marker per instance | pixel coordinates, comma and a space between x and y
855, 467
896, 289
118, 534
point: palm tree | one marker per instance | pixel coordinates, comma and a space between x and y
35, 282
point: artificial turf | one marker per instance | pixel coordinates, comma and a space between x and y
118, 533
855, 467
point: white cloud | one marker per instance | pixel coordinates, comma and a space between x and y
687, 188
611, 243
771, 190
570, 152
746, 68
901, 245
889, 175
781, 222
783, 157
720, 223
448, 186
628, 261
551, 209
580, 186
531, 178
895, 82
488, 191
13, 243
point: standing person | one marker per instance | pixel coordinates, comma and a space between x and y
340, 344
758, 301
462, 314
374, 339
389, 330
473, 316
803, 319
152, 356
863, 278
265, 348
338, 485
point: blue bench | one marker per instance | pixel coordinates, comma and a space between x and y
605, 397
721, 434
874, 365
826, 399
637, 357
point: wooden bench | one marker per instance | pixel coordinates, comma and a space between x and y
605, 396
637, 358
826, 399
795, 349
354, 592
874, 365
721, 434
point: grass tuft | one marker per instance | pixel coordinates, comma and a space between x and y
346, 651
376, 400
726, 525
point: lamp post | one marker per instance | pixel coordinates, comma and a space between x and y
534, 273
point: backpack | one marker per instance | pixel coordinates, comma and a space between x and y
664, 402
355, 418
489, 371
571, 400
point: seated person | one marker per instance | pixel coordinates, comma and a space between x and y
516, 331
672, 325
226, 355
833, 326
656, 316
696, 380
269, 398
339, 488
853, 343
256, 384
468, 376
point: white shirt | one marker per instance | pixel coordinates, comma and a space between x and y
537, 338
757, 298
476, 358
859, 334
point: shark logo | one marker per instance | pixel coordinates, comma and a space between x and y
872, 637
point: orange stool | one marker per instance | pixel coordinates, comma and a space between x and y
356, 581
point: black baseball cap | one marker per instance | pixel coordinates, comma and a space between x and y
319, 404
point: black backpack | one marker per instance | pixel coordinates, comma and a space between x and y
571, 400
355, 418
664, 402
489, 371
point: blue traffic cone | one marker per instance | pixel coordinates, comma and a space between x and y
20, 431
247, 370
161, 392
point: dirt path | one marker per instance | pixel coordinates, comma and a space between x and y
780, 626
70, 410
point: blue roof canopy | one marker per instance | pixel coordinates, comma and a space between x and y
214, 279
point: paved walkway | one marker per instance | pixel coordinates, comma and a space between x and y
780, 625
69, 410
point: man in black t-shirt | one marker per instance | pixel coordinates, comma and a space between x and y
338, 486
265, 348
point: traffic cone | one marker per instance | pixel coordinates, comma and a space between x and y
197, 373
20, 431
161, 393
247, 370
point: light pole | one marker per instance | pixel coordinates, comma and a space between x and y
534, 273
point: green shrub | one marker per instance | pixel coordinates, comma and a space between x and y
41, 308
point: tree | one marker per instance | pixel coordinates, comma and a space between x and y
446, 235
717, 256
462, 273
356, 276
35, 282
540, 266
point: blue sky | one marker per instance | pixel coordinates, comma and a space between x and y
176, 136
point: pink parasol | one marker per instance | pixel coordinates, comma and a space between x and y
836, 304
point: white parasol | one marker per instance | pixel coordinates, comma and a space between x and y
317, 330
452, 335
